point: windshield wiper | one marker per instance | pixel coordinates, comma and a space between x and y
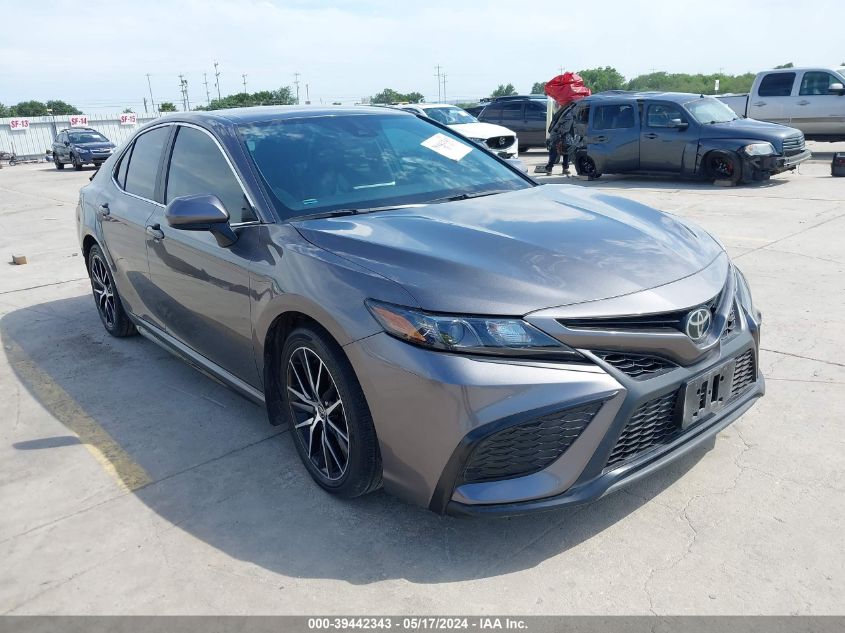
338, 213
467, 196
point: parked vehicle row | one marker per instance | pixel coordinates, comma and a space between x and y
809, 99
682, 134
421, 314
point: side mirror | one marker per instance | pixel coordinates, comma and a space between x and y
837, 88
201, 213
678, 124
67, 143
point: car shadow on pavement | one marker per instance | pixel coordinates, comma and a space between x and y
639, 181
221, 473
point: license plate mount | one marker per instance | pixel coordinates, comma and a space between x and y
707, 393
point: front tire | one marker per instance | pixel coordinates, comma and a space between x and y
58, 163
586, 166
723, 166
106, 298
77, 164
328, 415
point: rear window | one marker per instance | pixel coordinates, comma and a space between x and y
777, 85
614, 117
144, 162
512, 112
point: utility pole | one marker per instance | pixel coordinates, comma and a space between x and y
437, 67
145, 106
296, 83
207, 95
152, 101
444, 87
244, 78
307, 95
217, 80
182, 91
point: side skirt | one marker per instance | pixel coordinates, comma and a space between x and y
201, 363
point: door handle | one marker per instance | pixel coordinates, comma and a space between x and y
759, 103
104, 210
601, 139
651, 135
155, 232
804, 102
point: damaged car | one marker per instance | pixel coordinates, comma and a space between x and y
682, 134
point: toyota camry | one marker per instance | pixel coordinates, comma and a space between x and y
418, 312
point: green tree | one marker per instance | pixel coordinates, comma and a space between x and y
166, 106
504, 91
29, 108
4, 111
538, 88
282, 96
389, 95
601, 79
697, 84
128, 111
786, 65
60, 107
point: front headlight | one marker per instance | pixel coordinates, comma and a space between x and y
759, 149
469, 335
82, 150
743, 292
480, 141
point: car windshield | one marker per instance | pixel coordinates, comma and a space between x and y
361, 161
710, 110
450, 116
87, 137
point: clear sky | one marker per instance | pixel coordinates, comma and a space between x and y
96, 53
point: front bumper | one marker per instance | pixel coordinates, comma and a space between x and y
780, 163
431, 410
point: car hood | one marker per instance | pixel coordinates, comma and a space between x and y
516, 252
749, 129
481, 130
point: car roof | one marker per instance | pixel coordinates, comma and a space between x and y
517, 97
621, 95
77, 129
257, 114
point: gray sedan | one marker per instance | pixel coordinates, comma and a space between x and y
421, 315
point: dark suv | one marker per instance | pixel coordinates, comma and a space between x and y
524, 114
80, 146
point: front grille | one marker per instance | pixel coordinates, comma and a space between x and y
636, 365
499, 142
732, 324
527, 448
793, 145
663, 320
745, 373
653, 423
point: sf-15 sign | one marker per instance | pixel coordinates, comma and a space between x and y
129, 118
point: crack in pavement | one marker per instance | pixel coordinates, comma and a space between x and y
818, 360
786, 237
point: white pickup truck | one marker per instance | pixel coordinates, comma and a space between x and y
809, 99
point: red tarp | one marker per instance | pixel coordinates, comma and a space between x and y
566, 88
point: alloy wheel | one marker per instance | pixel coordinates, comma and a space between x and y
317, 411
103, 287
721, 168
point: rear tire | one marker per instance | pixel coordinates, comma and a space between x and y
327, 412
586, 166
106, 298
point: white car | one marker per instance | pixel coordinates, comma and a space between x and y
496, 138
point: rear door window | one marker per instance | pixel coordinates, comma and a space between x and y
662, 114
512, 112
614, 117
120, 170
776, 85
144, 163
535, 111
491, 113
197, 166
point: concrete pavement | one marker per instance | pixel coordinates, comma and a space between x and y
130, 483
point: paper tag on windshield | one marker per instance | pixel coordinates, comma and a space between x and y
445, 146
